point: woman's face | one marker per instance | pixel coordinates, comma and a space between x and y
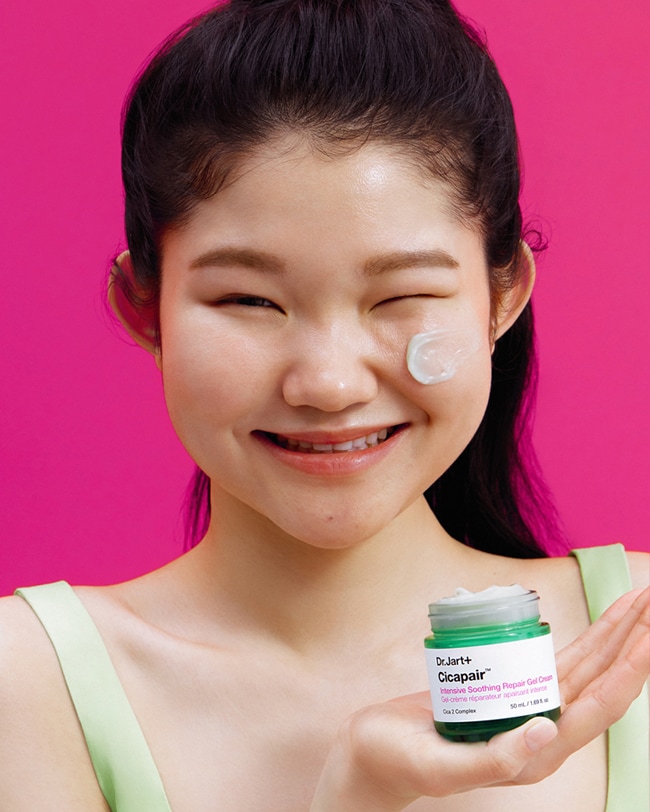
287, 305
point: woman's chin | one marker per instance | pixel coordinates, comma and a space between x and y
346, 531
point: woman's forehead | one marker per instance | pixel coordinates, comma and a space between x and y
286, 188
293, 173
293, 148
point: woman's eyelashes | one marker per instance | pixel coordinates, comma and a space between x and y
407, 296
245, 300
408, 305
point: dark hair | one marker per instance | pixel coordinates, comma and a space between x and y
410, 73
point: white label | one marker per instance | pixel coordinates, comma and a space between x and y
496, 681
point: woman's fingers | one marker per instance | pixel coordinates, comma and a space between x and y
599, 705
596, 635
591, 654
452, 767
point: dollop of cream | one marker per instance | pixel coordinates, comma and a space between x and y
464, 596
436, 356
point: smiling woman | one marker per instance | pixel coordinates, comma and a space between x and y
327, 263
305, 339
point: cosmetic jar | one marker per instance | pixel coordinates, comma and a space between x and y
491, 663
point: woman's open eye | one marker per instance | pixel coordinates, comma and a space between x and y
246, 301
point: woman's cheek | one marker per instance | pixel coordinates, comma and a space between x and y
211, 376
459, 392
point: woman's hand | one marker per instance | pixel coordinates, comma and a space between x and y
388, 755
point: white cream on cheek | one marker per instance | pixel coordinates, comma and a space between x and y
436, 356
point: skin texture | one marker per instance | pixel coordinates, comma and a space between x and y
264, 665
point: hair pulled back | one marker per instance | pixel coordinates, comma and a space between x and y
408, 73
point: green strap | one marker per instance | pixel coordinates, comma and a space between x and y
606, 576
124, 766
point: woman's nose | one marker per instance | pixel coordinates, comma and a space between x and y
331, 371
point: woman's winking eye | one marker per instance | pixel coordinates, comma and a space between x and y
406, 296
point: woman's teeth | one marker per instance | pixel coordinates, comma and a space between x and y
359, 444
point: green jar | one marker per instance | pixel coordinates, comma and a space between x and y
491, 663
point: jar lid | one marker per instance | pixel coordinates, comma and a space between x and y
492, 606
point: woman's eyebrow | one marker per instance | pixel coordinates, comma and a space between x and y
223, 257
260, 260
399, 260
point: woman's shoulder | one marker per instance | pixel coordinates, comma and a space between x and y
639, 564
44, 761
562, 587
25, 650
567, 570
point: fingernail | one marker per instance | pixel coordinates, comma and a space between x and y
539, 734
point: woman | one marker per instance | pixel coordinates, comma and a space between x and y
309, 185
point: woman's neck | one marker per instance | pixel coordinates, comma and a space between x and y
266, 582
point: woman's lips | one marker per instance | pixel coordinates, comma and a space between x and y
361, 442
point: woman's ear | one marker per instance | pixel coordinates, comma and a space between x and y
515, 299
139, 320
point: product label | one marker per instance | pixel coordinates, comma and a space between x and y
497, 681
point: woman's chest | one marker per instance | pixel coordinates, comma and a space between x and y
251, 733
276, 768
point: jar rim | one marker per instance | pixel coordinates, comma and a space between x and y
492, 611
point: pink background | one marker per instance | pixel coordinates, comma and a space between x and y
92, 476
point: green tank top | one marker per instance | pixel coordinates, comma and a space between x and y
123, 764
125, 769
606, 576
